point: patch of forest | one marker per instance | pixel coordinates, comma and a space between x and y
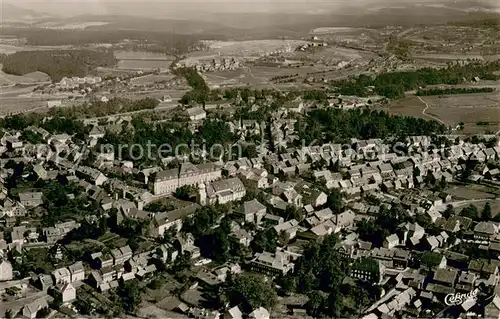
154, 41
452, 91
57, 63
393, 85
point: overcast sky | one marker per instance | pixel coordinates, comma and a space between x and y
171, 8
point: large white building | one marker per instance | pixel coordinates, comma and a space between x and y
222, 192
188, 174
5, 270
196, 113
75, 82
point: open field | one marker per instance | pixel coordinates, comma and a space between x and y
175, 94
251, 48
409, 106
470, 192
141, 55
474, 194
12, 105
328, 30
30, 78
333, 56
467, 108
462, 42
453, 109
72, 26
257, 77
229, 78
151, 79
143, 64
9, 49
494, 204
141, 60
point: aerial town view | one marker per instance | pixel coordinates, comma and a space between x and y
250, 159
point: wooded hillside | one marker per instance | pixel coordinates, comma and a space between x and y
57, 63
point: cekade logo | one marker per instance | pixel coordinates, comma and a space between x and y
458, 299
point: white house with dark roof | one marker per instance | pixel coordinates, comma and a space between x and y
187, 174
278, 263
77, 271
166, 220
31, 309
64, 292
92, 175
224, 191
5, 270
31, 199
196, 113
485, 231
61, 275
254, 211
391, 241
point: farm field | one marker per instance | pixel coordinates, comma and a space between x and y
141, 55
328, 30
73, 26
256, 76
409, 106
9, 49
10, 105
175, 94
470, 192
469, 109
238, 77
143, 64
453, 109
251, 48
333, 55
30, 78
151, 79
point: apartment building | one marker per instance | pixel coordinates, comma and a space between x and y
188, 174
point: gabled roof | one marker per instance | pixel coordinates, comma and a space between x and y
253, 206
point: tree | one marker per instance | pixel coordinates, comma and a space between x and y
334, 304
184, 192
449, 211
486, 213
130, 296
335, 201
133, 243
289, 284
265, 240
43, 313
316, 300
216, 245
251, 291
156, 283
470, 211
430, 259
320, 267
292, 212
169, 235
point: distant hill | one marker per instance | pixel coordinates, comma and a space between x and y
11, 12
155, 24
276, 18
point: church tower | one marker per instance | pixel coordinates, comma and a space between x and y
201, 197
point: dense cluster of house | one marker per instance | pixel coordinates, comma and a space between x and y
370, 176
216, 64
76, 82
